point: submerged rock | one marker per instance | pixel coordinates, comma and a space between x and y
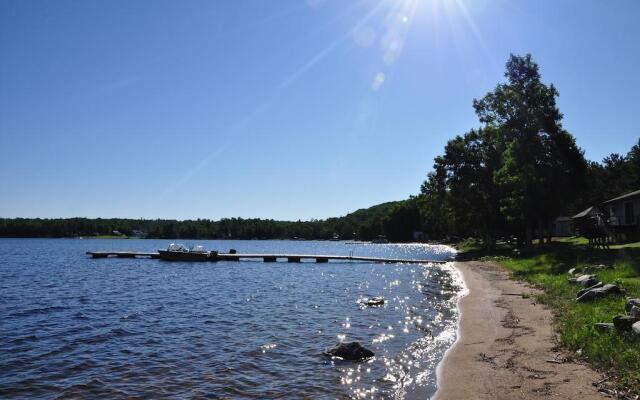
353, 351
372, 301
598, 291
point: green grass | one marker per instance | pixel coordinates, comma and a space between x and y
610, 352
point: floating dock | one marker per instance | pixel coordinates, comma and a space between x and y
293, 258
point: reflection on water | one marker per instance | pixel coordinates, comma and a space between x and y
74, 326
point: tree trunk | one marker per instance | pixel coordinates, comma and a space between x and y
540, 232
489, 242
528, 235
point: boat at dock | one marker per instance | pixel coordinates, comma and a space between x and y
179, 252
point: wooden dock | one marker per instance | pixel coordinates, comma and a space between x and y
293, 258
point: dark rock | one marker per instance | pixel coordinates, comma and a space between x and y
373, 301
353, 351
630, 303
583, 291
623, 323
635, 313
599, 292
603, 327
587, 280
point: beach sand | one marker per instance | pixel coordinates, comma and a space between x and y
504, 342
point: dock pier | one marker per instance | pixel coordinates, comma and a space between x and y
267, 258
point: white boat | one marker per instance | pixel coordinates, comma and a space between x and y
179, 252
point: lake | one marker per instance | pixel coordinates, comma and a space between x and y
73, 326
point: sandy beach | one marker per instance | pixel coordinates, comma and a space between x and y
506, 347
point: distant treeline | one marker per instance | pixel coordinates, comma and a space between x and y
365, 224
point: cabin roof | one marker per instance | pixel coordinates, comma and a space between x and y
584, 213
624, 196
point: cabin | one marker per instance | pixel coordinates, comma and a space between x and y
590, 224
616, 220
562, 226
623, 215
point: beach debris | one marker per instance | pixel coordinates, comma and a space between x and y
352, 351
604, 326
623, 322
598, 292
585, 280
372, 301
557, 359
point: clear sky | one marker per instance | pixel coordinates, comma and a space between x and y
287, 109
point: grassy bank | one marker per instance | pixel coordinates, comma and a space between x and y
610, 352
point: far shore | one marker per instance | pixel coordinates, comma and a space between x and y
506, 347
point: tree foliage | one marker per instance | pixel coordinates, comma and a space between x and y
520, 170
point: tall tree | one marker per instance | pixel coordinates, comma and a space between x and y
542, 170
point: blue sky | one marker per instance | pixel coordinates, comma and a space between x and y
280, 109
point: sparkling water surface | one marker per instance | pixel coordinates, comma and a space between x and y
78, 327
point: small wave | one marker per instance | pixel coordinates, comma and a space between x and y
24, 339
38, 311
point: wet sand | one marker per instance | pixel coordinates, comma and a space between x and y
504, 344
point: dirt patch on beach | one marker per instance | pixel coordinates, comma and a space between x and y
507, 348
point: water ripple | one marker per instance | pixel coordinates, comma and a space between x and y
120, 328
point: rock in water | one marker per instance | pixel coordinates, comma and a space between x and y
373, 301
353, 351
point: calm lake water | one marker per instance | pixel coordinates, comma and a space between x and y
78, 327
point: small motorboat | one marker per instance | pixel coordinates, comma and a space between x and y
179, 252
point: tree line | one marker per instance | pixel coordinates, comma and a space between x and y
365, 224
508, 178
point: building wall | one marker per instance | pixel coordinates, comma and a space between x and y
563, 228
617, 214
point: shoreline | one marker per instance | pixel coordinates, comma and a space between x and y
503, 344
